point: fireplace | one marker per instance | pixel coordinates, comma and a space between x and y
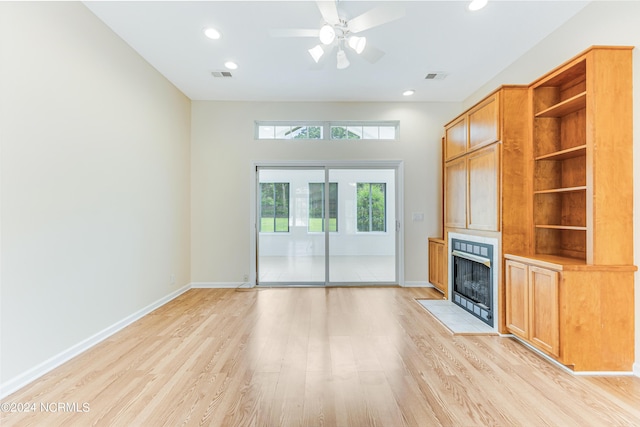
472, 279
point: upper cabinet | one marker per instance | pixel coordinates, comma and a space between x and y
483, 123
484, 151
484, 195
455, 138
477, 127
582, 191
455, 193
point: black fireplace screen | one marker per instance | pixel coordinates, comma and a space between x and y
472, 278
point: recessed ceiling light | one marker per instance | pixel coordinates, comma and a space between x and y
408, 92
212, 33
231, 65
477, 4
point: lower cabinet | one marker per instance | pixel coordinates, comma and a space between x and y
579, 314
532, 309
437, 263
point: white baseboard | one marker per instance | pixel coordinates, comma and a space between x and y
37, 371
636, 369
408, 284
221, 285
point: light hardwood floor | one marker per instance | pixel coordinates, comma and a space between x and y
314, 357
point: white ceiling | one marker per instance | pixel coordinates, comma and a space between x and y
433, 36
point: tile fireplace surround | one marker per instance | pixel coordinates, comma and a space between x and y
494, 271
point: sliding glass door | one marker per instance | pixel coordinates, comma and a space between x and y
321, 225
363, 251
291, 242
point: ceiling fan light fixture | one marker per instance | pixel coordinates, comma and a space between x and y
343, 61
357, 43
316, 52
477, 4
327, 34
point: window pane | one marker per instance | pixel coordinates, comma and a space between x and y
371, 207
316, 207
299, 132
370, 132
338, 132
283, 132
333, 206
363, 207
282, 206
387, 132
266, 132
354, 132
315, 132
274, 207
267, 210
378, 203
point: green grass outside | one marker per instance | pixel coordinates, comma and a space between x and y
282, 225
315, 225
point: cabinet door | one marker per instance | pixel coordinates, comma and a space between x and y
484, 196
543, 310
517, 295
483, 123
436, 265
455, 201
455, 140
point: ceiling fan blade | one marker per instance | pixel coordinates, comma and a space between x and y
329, 11
376, 16
293, 32
372, 54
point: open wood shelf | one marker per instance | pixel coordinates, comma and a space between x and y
565, 107
562, 227
561, 190
569, 153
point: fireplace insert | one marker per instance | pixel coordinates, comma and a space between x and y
472, 278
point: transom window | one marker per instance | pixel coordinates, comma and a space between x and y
372, 205
371, 130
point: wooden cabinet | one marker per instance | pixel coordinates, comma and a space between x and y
477, 127
571, 295
477, 143
484, 196
580, 315
437, 263
582, 152
517, 298
533, 305
455, 193
483, 120
455, 139
543, 309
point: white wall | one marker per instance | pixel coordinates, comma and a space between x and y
600, 23
223, 150
95, 182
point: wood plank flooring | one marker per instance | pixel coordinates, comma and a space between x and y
316, 357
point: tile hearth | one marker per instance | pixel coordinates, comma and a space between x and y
454, 318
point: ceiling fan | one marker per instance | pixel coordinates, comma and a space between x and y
341, 33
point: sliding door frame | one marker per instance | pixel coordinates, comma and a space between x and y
328, 165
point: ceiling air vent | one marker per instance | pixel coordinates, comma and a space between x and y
435, 76
221, 74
